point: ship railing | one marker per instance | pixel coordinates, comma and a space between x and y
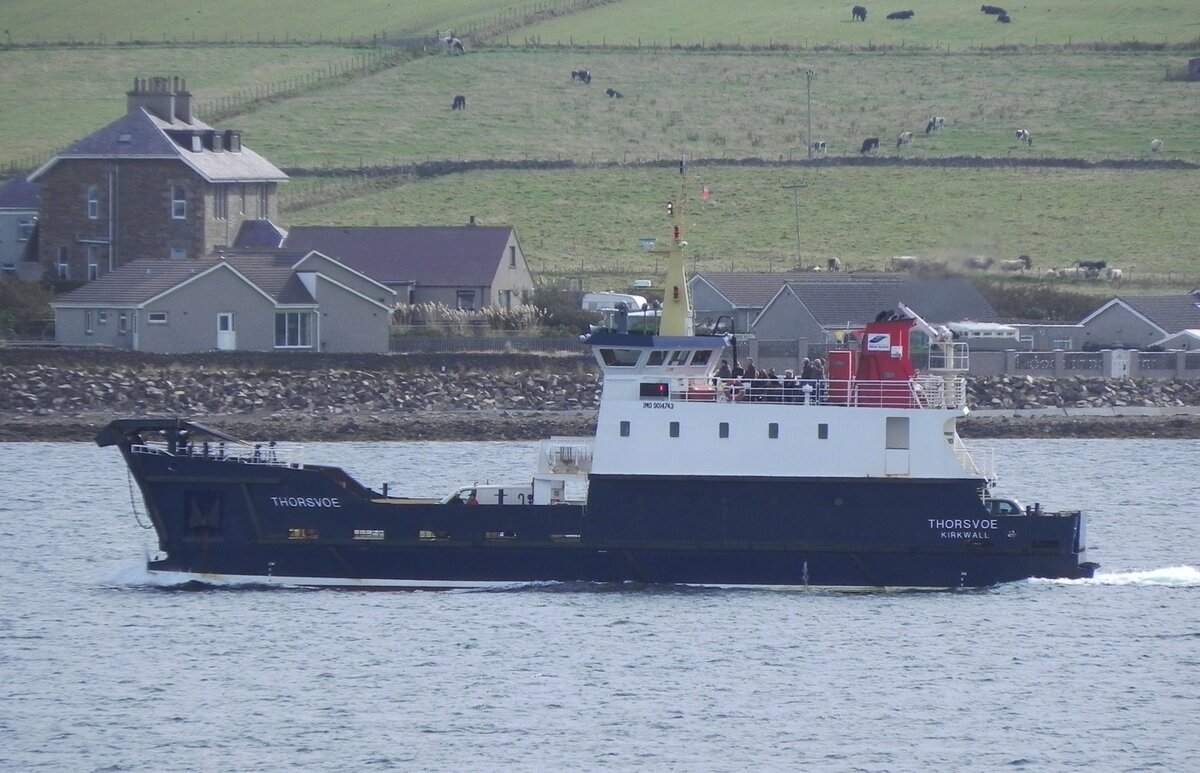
268, 454
978, 461
923, 391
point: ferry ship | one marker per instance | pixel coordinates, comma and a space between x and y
858, 480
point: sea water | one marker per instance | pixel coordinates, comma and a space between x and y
103, 670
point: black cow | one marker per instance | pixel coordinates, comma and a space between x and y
1004, 18
459, 103
858, 13
614, 93
901, 15
994, 10
1092, 265
584, 76
870, 145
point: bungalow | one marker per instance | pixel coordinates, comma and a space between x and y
1137, 321
246, 302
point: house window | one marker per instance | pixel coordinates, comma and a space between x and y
178, 202
64, 268
291, 329
242, 205
93, 271
102, 317
512, 256
264, 201
773, 430
506, 299
465, 300
87, 322
25, 229
93, 202
122, 322
178, 253
221, 203
157, 318
93, 258
624, 429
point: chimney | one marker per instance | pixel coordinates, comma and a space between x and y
155, 95
183, 101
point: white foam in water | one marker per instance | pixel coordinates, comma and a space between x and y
1171, 576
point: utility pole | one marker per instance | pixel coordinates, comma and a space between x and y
795, 189
808, 76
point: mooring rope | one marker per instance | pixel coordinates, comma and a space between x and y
133, 502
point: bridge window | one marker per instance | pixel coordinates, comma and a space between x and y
678, 358
368, 534
620, 358
674, 429
701, 357
624, 429
773, 430
723, 429
657, 357
822, 431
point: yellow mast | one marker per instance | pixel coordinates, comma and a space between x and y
677, 303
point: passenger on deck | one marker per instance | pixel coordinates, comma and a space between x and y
819, 378
791, 389
724, 371
738, 372
472, 500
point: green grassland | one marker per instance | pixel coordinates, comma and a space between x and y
25, 21
523, 104
51, 99
953, 23
587, 222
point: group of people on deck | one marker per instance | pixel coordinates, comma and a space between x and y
765, 385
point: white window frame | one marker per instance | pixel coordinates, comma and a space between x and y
178, 253
178, 202
460, 296
64, 269
25, 228
156, 318
296, 332
93, 202
221, 203
87, 322
102, 318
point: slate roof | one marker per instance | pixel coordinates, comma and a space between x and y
141, 134
856, 299
18, 193
140, 280
425, 255
1172, 313
259, 234
749, 289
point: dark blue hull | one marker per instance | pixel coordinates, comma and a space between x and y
317, 526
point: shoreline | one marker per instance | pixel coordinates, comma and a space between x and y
1162, 423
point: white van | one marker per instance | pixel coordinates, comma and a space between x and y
602, 301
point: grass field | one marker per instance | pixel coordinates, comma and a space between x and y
954, 23
587, 222
524, 105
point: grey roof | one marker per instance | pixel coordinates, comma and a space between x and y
1170, 312
19, 193
140, 280
427, 255
140, 134
857, 298
754, 289
259, 234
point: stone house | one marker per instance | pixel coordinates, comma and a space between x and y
157, 183
275, 302
463, 267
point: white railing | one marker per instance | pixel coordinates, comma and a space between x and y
270, 454
924, 391
980, 461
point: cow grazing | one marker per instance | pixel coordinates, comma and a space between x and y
614, 93
905, 262
1004, 18
1022, 264
1156, 146
453, 45
1092, 265
934, 124
905, 138
979, 263
1024, 137
901, 15
994, 10
858, 13
1114, 275
583, 76
819, 148
833, 264
869, 145
459, 103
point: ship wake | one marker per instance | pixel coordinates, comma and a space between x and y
1172, 576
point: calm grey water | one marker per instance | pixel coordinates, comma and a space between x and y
101, 670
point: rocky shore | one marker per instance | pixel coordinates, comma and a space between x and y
480, 397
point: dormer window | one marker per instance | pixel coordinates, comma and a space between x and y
197, 143
235, 141
218, 142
